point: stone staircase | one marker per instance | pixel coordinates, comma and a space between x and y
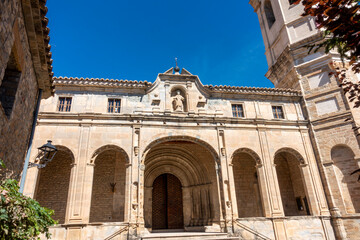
187, 236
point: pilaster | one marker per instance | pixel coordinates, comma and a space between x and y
78, 184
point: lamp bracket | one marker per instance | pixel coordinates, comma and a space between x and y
31, 164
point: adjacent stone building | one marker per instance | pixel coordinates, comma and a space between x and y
286, 36
139, 159
25, 68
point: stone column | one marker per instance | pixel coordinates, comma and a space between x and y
223, 177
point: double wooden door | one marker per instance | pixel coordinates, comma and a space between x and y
167, 206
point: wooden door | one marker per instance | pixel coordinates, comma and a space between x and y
167, 208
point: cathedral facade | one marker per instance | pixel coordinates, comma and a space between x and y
136, 159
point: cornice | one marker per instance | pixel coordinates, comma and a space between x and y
114, 119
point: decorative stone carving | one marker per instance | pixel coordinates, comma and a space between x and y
178, 102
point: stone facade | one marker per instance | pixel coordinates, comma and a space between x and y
25, 67
335, 143
241, 169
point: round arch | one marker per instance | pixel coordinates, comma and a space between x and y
110, 178
344, 163
107, 147
54, 181
292, 151
193, 162
249, 151
182, 138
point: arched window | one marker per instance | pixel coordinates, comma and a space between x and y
269, 13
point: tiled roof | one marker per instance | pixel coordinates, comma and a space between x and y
62, 81
101, 82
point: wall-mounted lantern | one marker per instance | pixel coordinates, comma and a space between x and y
46, 153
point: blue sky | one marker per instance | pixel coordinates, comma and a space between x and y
137, 39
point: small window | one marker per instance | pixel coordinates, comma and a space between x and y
114, 105
278, 112
269, 13
237, 110
64, 104
10, 83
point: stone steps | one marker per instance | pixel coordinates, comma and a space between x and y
187, 235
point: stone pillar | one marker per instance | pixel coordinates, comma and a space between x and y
271, 180
264, 196
232, 193
137, 195
87, 189
339, 228
79, 179
127, 204
314, 174
309, 188
167, 104
148, 206
223, 177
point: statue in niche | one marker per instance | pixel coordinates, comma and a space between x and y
178, 102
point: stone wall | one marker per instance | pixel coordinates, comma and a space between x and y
15, 129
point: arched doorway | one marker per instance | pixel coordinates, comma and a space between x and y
108, 188
247, 187
53, 183
193, 167
291, 183
167, 207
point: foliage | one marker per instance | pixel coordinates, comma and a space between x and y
340, 22
21, 217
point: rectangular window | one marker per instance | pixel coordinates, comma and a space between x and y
237, 110
278, 112
64, 104
114, 105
